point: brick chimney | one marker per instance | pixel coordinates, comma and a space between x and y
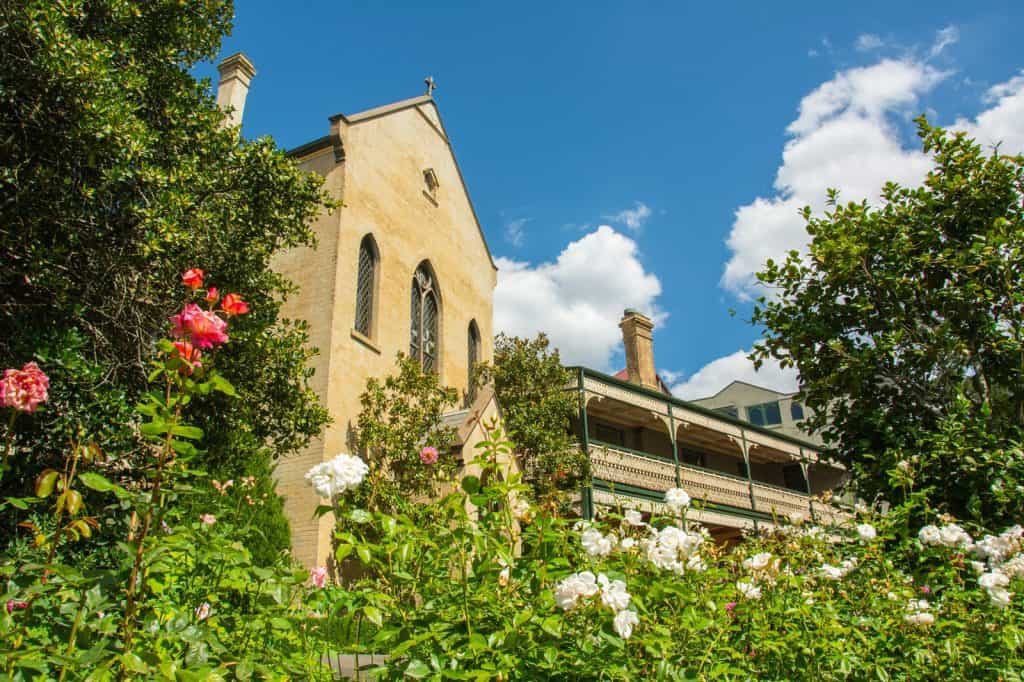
636, 337
236, 73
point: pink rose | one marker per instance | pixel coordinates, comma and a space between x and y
203, 611
211, 294
730, 608
191, 356
202, 327
208, 519
318, 577
192, 278
13, 605
234, 305
23, 389
428, 455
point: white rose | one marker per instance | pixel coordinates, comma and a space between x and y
1000, 597
929, 535
866, 531
613, 593
342, 473
676, 499
624, 622
596, 544
758, 562
749, 590
633, 518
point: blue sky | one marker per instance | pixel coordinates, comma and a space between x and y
692, 131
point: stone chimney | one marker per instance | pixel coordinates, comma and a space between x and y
636, 336
236, 73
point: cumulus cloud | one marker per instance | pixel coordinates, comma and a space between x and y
867, 42
578, 299
717, 374
1003, 122
633, 218
514, 231
843, 137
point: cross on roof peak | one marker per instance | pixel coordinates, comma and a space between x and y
429, 81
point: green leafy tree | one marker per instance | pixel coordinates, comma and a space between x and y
906, 322
117, 175
531, 386
402, 414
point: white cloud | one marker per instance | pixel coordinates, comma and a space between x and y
577, 300
633, 218
867, 42
844, 138
1003, 122
717, 374
943, 39
514, 231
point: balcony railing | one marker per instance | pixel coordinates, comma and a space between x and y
620, 465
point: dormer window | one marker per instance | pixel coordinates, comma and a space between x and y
431, 184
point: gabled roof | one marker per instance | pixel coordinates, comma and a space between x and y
745, 383
386, 110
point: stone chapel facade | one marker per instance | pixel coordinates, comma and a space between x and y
403, 266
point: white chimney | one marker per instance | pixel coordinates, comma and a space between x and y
236, 74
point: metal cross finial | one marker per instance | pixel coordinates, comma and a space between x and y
429, 80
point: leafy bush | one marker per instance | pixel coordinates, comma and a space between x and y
477, 587
178, 595
906, 323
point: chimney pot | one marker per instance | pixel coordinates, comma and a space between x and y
638, 340
236, 73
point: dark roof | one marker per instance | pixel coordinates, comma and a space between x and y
623, 375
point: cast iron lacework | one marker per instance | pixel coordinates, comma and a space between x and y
423, 327
364, 288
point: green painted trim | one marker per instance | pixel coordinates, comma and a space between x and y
586, 499
672, 400
675, 446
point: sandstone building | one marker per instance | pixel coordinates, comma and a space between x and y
403, 266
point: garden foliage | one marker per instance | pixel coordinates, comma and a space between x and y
906, 323
117, 174
532, 388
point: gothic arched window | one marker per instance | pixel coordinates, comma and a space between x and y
366, 284
473, 346
423, 339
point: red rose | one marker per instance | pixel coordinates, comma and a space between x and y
234, 305
193, 278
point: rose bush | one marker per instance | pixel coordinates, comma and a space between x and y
460, 588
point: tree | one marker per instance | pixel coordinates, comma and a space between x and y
116, 176
532, 388
402, 415
906, 322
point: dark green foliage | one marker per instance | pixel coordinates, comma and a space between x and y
906, 322
115, 176
532, 388
401, 414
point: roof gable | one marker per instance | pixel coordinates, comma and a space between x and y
428, 109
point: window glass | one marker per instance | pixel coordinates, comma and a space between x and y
796, 410
729, 411
765, 414
364, 287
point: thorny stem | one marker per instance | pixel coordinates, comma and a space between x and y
73, 636
9, 443
134, 586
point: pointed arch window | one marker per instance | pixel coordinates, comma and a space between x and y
366, 284
425, 318
473, 346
